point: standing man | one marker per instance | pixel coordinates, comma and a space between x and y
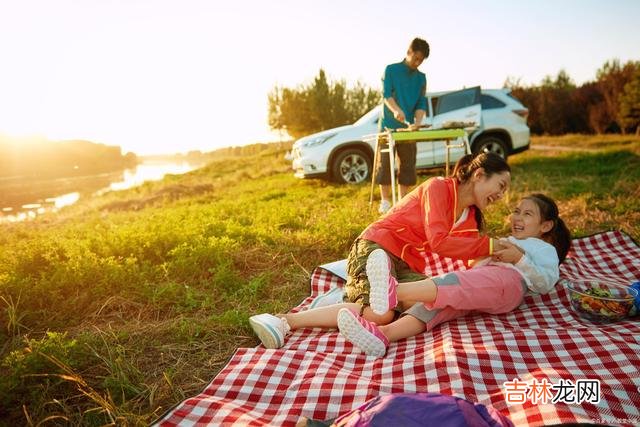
405, 105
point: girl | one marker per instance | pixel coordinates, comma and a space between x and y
529, 261
442, 215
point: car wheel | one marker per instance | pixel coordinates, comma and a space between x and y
351, 166
493, 144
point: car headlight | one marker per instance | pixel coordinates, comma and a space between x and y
317, 140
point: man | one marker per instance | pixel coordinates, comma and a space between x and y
405, 105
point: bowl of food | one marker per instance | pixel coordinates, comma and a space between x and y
600, 301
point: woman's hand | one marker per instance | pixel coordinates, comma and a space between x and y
507, 252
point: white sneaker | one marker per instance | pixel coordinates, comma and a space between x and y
363, 334
385, 205
334, 296
270, 329
382, 285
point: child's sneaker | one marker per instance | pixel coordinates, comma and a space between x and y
363, 334
384, 207
270, 329
334, 296
382, 295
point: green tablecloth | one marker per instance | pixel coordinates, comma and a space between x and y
426, 135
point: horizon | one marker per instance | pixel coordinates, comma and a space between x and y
41, 139
8, 140
156, 78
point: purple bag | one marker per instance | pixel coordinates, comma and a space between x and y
422, 409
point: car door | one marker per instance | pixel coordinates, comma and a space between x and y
452, 109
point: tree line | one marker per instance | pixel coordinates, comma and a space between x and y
259, 148
320, 105
49, 159
610, 104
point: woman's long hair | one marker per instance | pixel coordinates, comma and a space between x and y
491, 163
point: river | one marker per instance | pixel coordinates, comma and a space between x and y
23, 199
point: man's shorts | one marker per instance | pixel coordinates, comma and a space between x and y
406, 152
357, 287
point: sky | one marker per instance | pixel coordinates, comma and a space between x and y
160, 76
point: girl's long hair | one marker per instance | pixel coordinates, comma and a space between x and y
559, 236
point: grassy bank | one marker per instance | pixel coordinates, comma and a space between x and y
120, 307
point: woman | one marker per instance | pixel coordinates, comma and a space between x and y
539, 242
441, 216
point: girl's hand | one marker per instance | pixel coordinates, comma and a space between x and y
508, 253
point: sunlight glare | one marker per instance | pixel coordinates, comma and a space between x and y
148, 172
64, 200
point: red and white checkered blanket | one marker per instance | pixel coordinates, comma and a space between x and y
319, 375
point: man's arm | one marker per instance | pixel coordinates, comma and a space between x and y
418, 117
395, 109
421, 107
387, 93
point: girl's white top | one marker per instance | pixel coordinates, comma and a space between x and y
538, 266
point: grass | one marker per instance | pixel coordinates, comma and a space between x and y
116, 309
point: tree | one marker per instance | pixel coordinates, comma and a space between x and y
318, 106
556, 109
629, 110
530, 98
611, 79
557, 106
586, 100
357, 98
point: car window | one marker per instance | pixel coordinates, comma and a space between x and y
457, 100
488, 102
371, 116
434, 104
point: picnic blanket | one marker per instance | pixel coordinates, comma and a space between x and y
591, 371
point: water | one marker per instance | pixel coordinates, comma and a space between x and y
26, 199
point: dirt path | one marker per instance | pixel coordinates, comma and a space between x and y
559, 148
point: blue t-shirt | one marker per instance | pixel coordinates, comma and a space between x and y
408, 88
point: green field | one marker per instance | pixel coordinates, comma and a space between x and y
117, 308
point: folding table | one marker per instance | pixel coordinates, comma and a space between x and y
401, 136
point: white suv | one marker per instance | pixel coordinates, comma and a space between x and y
345, 155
